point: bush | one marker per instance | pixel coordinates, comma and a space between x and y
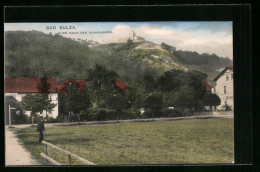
21, 119
101, 114
172, 113
149, 113
132, 113
60, 118
51, 120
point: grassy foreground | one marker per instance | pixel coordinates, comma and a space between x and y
172, 142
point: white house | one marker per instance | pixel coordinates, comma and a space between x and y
19, 87
224, 89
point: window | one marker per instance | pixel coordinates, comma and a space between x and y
225, 91
231, 75
227, 77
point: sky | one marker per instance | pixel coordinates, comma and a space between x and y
214, 37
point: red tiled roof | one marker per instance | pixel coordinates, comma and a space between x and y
62, 88
207, 86
27, 85
121, 85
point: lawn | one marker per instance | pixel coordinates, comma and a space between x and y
173, 142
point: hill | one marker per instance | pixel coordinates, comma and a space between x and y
165, 57
35, 54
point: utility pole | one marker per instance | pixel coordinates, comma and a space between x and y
10, 108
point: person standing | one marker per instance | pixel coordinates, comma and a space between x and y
41, 129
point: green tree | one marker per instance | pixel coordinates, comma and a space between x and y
155, 104
170, 80
75, 101
167, 47
119, 102
101, 88
43, 87
185, 99
211, 100
37, 103
194, 79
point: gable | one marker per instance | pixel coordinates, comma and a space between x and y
223, 71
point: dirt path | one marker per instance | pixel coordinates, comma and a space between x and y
15, 153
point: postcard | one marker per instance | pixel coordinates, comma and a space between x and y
119, 93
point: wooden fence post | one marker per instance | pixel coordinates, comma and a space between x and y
47, 150
69, 159
70, 155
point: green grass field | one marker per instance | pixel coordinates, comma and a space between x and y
173, 142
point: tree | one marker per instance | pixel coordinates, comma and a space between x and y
185, 98
170, 80
119, 102
37, 103
211, 100
194, 79
75, 101
149, 81
101, 88
155, 104
167, 47
43, 87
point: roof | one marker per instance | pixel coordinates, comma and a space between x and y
28, 85
121, 85
207, 86
223, 71
62, 88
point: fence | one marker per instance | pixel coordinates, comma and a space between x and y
45, 156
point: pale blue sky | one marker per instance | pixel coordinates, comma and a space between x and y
203, 37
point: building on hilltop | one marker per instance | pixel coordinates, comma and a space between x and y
132, 37
224, 89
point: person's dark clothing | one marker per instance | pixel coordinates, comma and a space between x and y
41, 129
41, 137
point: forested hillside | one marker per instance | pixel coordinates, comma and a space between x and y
35, 54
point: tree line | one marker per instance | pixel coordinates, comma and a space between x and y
101, 100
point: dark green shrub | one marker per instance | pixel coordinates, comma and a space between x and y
172, 113
51, 120
101, 114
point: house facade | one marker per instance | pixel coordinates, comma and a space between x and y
19, 87
224, 89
